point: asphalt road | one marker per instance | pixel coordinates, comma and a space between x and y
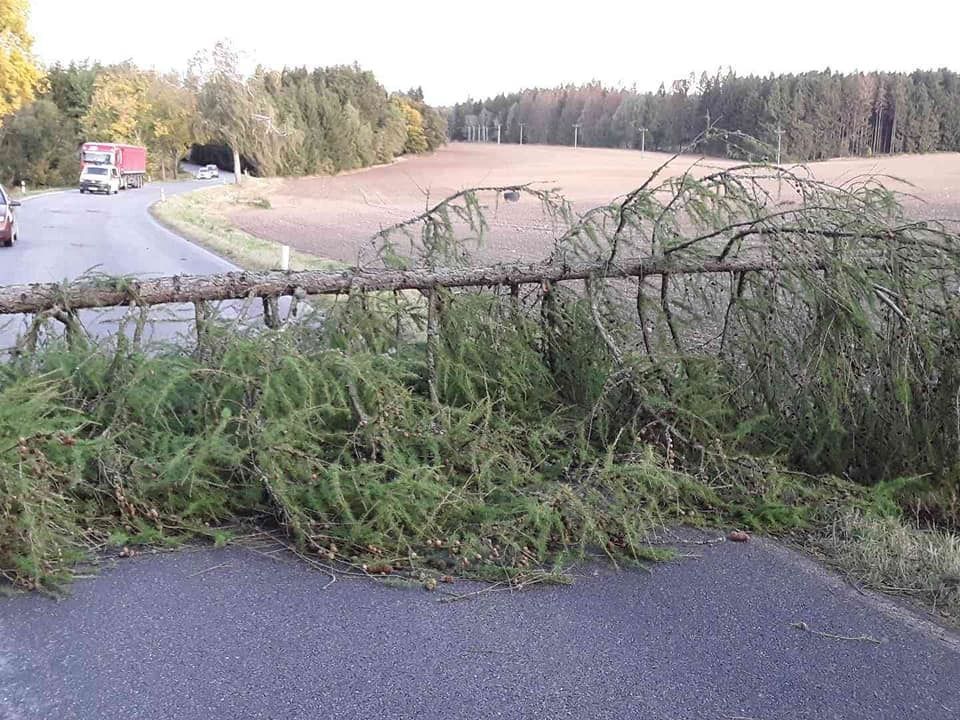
64, 235
232, 634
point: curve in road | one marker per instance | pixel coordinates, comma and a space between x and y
64, 235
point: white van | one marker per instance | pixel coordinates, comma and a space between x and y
100, 178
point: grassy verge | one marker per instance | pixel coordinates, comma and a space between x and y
202, 217
892, 555
15, 191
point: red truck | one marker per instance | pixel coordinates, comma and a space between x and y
112, 167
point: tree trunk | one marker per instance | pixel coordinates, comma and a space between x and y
892, 147
237, 170
163, 169
94, 293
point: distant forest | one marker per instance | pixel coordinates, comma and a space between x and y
298, 121
821, 114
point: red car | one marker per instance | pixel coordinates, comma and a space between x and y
8, 222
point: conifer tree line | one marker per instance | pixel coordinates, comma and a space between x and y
820, 114
287, 122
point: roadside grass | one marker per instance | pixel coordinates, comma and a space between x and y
15, 193
893, 555
201, 217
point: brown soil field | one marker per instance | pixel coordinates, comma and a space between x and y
334, 216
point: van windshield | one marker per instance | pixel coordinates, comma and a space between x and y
95, 156
96, 171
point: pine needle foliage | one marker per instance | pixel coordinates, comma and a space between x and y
793, 333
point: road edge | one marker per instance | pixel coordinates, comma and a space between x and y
189, 232
49, 193
183, 235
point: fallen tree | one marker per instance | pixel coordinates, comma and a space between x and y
97, 293
697, 350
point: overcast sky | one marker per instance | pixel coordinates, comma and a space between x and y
455, 49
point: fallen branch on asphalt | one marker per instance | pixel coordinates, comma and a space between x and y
858, 638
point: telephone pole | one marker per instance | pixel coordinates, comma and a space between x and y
498, 133
779, 132
576, 132
643, 139
521, 132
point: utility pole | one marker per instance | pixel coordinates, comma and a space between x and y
498, 133
643, 139
576, 132
521, 132
779, 132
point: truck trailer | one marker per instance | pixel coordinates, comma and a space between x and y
112, 167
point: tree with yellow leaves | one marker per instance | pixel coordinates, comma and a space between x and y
20, 75
416, 139
170, 120
136, 106
118, 107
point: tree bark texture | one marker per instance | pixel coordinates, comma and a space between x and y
97, 292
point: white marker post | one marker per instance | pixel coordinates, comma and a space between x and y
284, 257
23, 187
163, 195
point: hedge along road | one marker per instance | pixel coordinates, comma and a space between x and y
65, 234
234, 634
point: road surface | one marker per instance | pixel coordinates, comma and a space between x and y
64, 235
231, 634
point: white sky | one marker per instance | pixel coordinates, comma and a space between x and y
455, 49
